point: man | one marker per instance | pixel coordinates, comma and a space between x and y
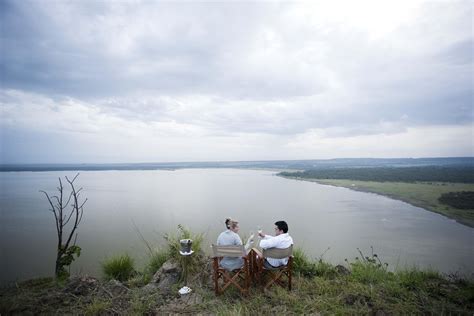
281, 240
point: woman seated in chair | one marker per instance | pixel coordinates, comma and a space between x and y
230, 238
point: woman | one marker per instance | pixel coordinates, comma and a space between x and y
230, 238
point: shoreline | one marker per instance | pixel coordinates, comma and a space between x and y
426, 206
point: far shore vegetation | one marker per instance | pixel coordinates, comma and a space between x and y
447, 191
364, 286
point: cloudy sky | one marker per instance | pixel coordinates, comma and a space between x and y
151, 81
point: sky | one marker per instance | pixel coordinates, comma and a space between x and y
156, 81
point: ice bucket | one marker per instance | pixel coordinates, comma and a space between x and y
186, 245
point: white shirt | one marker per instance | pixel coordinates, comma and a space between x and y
281, 241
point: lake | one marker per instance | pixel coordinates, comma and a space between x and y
319, 217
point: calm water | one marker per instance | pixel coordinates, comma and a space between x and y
319, 217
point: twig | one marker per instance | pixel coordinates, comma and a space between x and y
150, 250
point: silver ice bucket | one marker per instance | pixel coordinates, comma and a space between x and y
186, 245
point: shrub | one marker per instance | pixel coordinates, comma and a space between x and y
301, 263
415, 279
156, 260
369, 269
97, 307
324, 269
190, 264
120, 267
461, 200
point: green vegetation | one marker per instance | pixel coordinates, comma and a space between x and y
461, 200
155, 261
98, 307
367, 288
119, 267
459, 174
364, 286
190, 264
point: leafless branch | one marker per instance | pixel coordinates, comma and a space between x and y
63, 217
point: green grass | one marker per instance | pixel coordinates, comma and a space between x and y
120, 267
422, 194
190, 264
143, 304
155, 261
367, 287
97, 307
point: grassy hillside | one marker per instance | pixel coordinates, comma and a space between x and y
363, 286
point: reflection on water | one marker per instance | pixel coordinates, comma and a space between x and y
319, 217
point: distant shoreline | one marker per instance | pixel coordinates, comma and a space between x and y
321, 164
392, 190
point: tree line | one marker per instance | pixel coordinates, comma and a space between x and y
392, 174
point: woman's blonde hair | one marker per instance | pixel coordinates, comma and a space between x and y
231, 223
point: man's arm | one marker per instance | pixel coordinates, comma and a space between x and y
269, 242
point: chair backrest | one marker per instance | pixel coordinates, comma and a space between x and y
228, 251
278, 253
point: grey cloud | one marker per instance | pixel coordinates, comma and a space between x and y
145, 61
48, 56
460, 53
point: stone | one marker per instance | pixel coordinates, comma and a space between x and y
167, 276
83, 285
342, 270
116, 288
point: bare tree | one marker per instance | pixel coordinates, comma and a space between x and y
64, 211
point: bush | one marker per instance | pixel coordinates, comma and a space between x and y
324, 269
97, 307
415, 279
190, 264
120, 267
463, 200
301, 263
369, 270
156, 260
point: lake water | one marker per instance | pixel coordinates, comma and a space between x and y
319, 217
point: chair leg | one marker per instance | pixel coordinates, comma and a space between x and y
216, 276
289, 281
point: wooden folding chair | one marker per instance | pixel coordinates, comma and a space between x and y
276, 273
240, 278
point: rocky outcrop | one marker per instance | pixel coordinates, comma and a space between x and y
168, 275
82, 285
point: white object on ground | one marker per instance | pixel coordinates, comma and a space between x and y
184, 290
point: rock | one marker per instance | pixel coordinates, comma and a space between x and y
81, 285
352, 299
115, 288
167, 276
191, 299
342, 270
150, 287
380, 312
182, 304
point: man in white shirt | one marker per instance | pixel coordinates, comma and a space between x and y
281, 240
